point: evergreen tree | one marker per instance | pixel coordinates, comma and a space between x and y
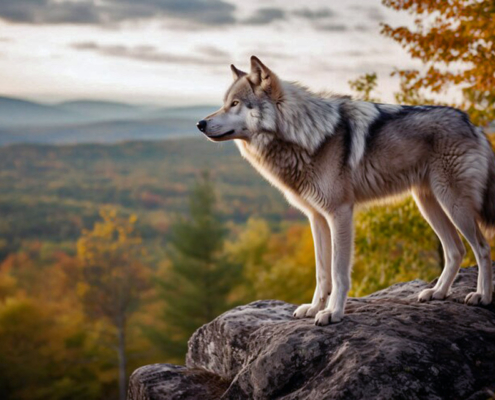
200, 280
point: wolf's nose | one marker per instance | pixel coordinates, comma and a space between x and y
201, 125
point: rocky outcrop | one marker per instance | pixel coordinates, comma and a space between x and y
388, 346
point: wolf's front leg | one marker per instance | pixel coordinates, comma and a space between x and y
340, 223
323, 258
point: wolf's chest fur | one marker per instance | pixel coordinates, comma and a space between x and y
285, 166
294, 172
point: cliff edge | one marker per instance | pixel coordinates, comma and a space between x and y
388, 346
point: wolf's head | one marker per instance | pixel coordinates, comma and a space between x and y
250, 105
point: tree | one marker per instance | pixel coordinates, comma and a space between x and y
393, 243
113, 278
199, 281
249, 248
46, 351
364, 85
275, 265
455, 40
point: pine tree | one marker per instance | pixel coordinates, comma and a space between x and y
199, 281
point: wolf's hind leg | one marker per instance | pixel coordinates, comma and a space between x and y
323, 257
462, 213
453, 249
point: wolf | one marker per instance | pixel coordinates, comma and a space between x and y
329, 153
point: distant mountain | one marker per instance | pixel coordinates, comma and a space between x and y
105, 110
102, 132
193, 112
90, 121
18, 112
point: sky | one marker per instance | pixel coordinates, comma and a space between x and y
178, 52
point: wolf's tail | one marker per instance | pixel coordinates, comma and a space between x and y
488, 208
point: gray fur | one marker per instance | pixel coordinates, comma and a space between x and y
329, 153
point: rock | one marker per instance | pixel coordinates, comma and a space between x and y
388, 346
166, 381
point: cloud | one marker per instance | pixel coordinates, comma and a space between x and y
376, 14
331, 27
48, 12
205, 12
314, 14
189, 13
265, 16
213, 51
217, 12
267, 54
368, 53
148, 53
352, 53
372, 13
176, 14
319, 19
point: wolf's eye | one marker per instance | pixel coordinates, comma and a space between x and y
234, 103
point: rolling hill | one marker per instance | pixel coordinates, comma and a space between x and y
24, 113
89, 121
105, 110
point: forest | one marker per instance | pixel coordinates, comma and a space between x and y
114, 255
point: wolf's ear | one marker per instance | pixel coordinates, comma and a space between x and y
263, 77
236, 73
259, 71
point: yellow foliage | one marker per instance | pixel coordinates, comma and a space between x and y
393, 243
82, 289
279, 266
7, 286
112, 274
364, 85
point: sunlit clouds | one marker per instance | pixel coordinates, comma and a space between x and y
175, 52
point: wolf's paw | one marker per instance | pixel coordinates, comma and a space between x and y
307, 310
326, 317
431, 294
477, 298
313, 310
301, 311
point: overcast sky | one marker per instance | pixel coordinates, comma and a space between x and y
177, 52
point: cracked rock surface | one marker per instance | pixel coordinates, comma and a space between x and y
388, 346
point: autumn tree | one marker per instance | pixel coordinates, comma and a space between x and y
393, 243
197, 285
364, 85
46, 351
276, 265
455, 41
113, 277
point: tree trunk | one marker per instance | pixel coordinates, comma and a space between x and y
122, 359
